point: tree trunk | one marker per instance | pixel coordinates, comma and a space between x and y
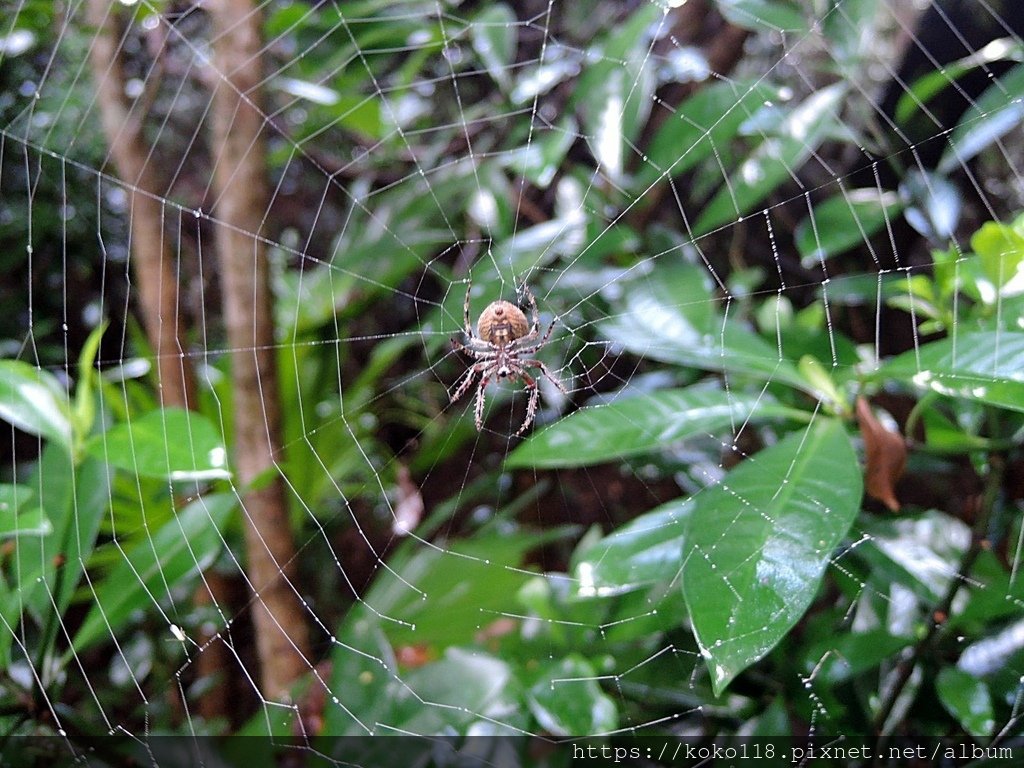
241, 194
153, 264
157, 280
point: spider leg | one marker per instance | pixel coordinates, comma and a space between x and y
478, 410
544, 370
464, 382
520, 345
535, 327
547, 334
531, 406
532, 349
476, 348
465, 309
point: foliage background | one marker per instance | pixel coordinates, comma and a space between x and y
745, 217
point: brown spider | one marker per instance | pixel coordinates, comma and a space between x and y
502, 337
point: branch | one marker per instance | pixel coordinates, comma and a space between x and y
154, 267
241, 192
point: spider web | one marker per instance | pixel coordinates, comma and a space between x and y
424, 546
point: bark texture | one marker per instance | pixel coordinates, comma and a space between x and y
153, 263
241, 193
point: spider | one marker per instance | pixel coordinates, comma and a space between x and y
502, 339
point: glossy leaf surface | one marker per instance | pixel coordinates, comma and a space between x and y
757, 544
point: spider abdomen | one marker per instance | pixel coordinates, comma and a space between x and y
501, 323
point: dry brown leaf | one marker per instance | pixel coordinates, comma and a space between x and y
886, 456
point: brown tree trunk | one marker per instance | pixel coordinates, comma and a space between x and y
155, 276
241, 193
153, 264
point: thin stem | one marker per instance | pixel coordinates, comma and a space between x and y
915, 414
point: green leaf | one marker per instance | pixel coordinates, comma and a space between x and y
764, 15
995, 594
642, 424
47, 567
942, 434
915, 552
17, 518
997, 111
541, 159
851, 32
170, 443
843, 222
15, 521
359, 114
73, 499
75, 531
364, 675
820, 381
967, 699
1000, 249
926, 87
986, 367
614, 92
776, 159
934, 204
669, 317
567, 701
439, 596
463, 689
702, 124
757, 544
85, 405
155, 565
34, 401
645, 551
847, 656
494, 40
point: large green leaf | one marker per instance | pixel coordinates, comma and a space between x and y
670, 317
776, 159
986, 367
47, 567
171, 443
851, 33
997, 111
642, 424
645, 551
34, 401
73, 500
844, 221
757, 543
462, 689
614, 92
155, 565
438, 596
540, 160
701, 124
